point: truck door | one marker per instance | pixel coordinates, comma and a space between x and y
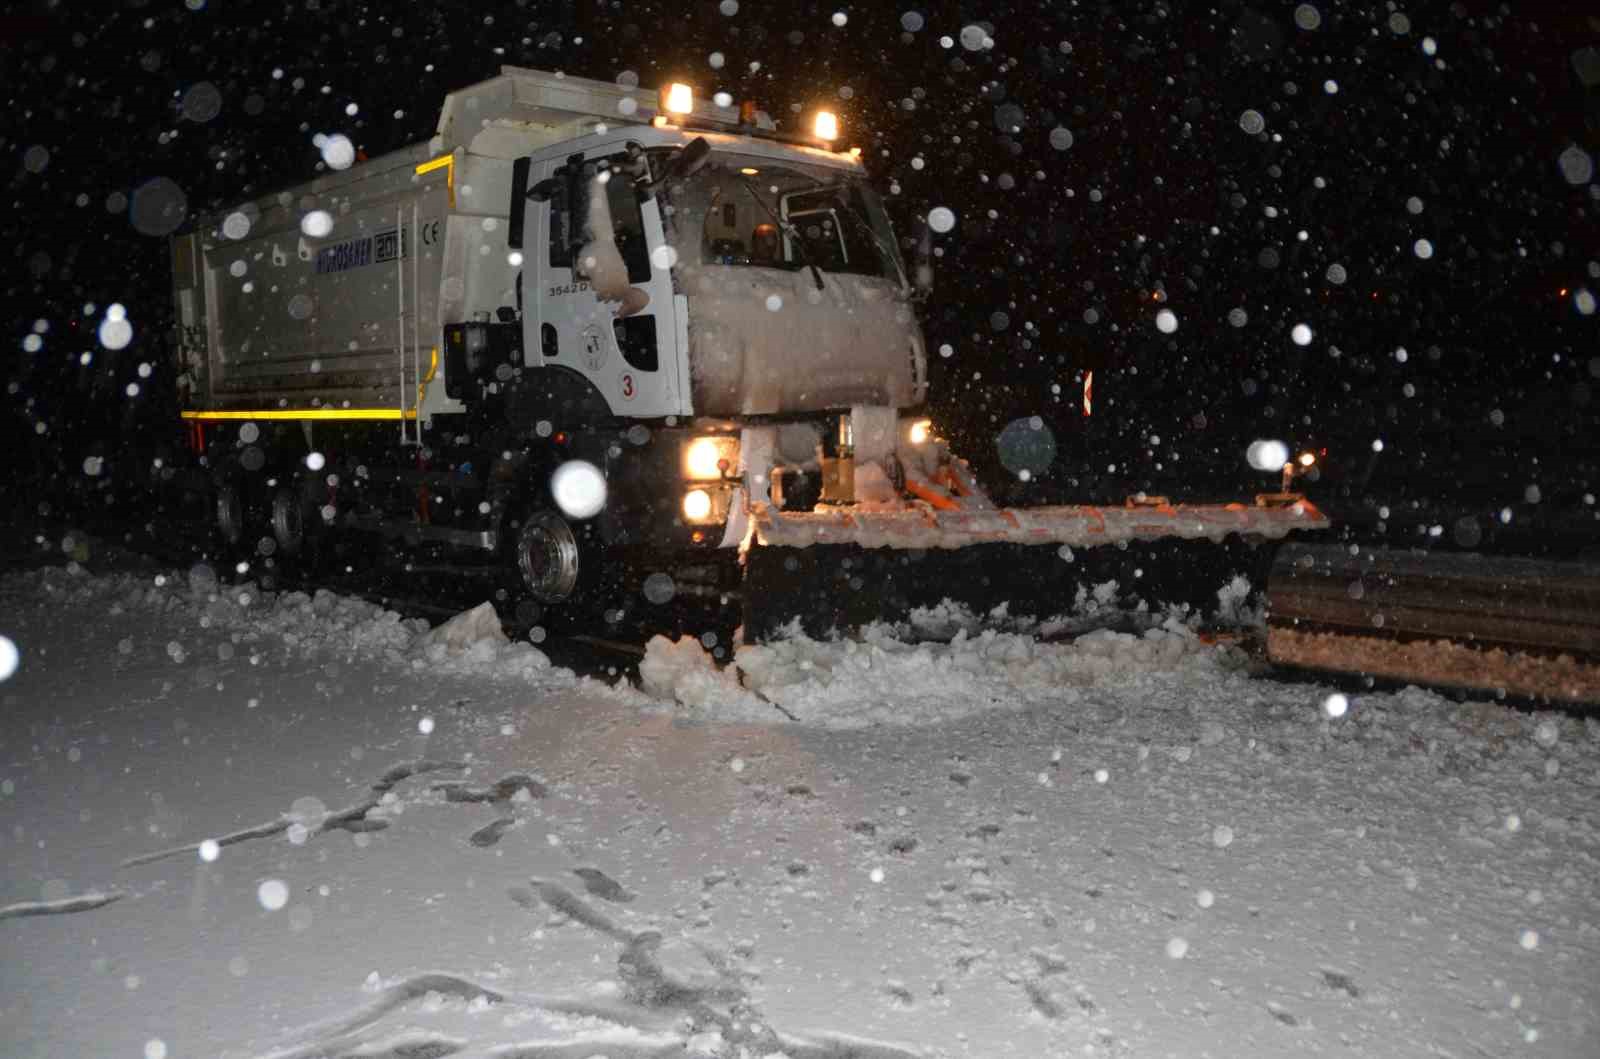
628, 350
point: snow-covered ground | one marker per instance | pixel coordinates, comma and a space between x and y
239, 825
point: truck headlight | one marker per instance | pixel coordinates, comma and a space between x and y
825, 125
920, 450
697, 505
708, 459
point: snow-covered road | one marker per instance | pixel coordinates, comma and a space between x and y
1121, 846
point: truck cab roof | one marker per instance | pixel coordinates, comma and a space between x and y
509, 115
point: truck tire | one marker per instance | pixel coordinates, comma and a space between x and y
547, 557
229, 512
289, 521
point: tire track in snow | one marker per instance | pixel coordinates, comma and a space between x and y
714, 1003
501, 794
81, 903
350, 818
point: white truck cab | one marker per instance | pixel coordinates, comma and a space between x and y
764, 282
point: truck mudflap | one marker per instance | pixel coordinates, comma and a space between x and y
1052, 570
1514, 625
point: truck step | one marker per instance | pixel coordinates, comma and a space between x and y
412, 533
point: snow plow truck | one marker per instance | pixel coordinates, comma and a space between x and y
616, 350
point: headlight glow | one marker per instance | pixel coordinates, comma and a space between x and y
1307, 459
825, 126
921, 431
696, 505
709, 458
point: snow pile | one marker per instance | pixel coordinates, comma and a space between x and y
900, 674
1094, 607
471, 643
324, 620
880, 680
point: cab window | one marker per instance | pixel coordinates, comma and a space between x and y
627, 226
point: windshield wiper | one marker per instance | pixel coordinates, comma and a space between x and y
788, 229
841, 194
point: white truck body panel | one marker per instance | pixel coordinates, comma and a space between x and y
348, 320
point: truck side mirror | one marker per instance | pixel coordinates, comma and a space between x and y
576, 177
519, 202
545, 190
694, 155
687, 161
924, 267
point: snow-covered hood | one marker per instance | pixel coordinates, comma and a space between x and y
766, 340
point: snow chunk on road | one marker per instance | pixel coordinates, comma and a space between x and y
684, 671
473, 642
477, 631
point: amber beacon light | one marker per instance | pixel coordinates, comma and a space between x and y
677, 98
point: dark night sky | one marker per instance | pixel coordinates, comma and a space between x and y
1059, 254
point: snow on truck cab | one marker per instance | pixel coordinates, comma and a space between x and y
580, 323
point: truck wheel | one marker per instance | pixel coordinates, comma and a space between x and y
547, 557
289, 521
230, 514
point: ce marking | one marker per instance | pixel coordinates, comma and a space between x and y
430, 233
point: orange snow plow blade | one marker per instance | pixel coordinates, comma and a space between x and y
1076, 526
840, 569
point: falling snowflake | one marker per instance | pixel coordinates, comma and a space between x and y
273, 894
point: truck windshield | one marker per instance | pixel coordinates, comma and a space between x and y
751, 210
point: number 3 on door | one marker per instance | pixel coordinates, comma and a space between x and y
627, 387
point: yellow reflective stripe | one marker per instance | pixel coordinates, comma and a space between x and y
300, 413
447, 162
221, 414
